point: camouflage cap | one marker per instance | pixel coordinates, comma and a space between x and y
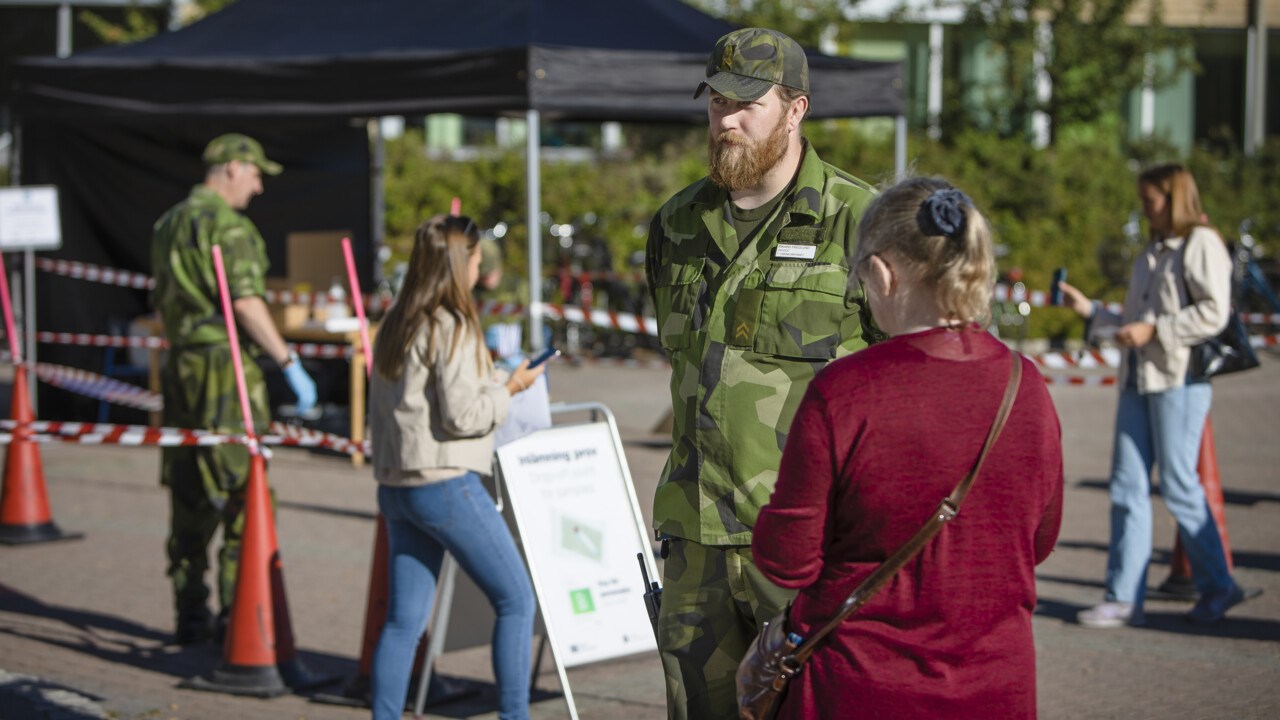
747, 62
234, 146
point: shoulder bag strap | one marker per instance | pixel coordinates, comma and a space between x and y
946, 511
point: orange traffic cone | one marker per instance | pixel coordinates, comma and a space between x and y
1179, 581
24, 507
259, 658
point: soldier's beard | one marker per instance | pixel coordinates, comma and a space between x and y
736, 163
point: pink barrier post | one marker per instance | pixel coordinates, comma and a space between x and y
234, 339
8, 314
358, 300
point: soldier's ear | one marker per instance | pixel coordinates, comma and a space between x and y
797, 111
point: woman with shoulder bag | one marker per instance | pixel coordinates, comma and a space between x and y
435, 402
880, 437
1179, 296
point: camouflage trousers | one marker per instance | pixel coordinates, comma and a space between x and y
206, 484
714, 601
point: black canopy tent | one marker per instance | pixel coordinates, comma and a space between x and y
637, 60
119, 129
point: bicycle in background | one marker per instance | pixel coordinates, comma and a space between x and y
1250, 288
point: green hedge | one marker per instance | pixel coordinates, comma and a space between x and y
1062, 206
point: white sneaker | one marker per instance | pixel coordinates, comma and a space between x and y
1110, 615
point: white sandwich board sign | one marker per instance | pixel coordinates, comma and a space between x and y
580, 527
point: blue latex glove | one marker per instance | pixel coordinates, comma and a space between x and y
301, 384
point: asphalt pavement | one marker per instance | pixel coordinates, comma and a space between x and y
84, 624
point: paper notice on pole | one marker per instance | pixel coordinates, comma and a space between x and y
581, 538
29, 218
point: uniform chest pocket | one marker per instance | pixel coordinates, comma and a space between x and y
675, 292
802, 310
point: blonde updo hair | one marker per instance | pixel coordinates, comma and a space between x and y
939, 239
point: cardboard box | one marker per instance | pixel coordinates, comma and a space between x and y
313, 262
315, 258
287, 315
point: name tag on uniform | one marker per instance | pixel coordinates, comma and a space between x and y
796, 252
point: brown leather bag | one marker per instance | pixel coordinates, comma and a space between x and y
777, 655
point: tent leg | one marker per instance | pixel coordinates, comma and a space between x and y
443, 608
377, 192
900, 146
533, 175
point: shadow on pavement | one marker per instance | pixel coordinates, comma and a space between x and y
23, 696
325, 510
1172, 622
117, 640
485, 701
1230, 497
1240, 558
1040, 577
1159, 556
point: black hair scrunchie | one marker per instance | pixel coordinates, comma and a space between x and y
942, 213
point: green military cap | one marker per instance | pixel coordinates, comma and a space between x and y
490, 256
747, 62
234, 146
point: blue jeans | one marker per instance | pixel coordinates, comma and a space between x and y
1164, 429
423, 522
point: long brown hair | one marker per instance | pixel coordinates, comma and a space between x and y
1183, 197
436, 280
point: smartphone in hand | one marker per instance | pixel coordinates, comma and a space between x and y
1055, 287
543, 356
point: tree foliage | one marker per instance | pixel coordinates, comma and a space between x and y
1094, 51
139, 23
805, 21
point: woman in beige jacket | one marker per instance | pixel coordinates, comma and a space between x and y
435, 402
1179, 296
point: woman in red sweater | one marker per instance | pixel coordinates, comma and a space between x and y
880, 438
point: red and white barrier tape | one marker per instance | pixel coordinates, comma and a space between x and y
625, 322
493, 308
278, 434
120, 341
83, 382
1079, 380
601, 318
1038, 298
289, 297
95, 273
1110, 357
323, 350
141, 281
1084, 359
315, 350
1260, 318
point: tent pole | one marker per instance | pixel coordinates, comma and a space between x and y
377, 201
64, 30
900, 147
533, 136
28, 284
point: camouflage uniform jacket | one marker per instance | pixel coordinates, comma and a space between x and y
186, 290
747, 327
